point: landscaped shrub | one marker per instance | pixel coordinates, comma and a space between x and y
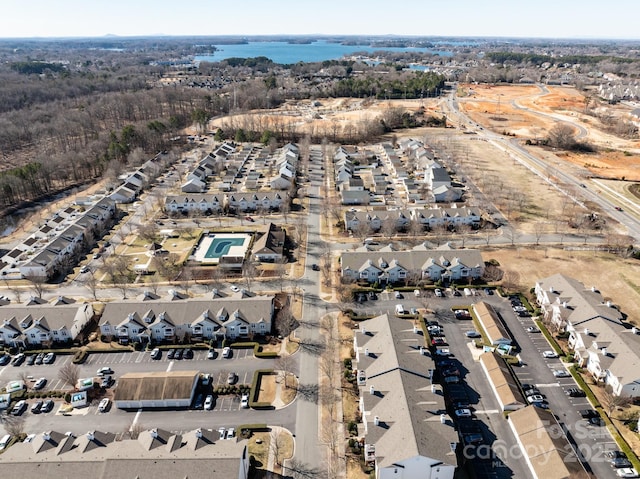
80, 357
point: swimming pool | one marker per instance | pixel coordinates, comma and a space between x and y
221, 246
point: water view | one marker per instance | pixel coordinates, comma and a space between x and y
287, 53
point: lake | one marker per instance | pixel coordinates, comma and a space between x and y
288, 53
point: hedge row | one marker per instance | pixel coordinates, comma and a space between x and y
257, 349
80, 357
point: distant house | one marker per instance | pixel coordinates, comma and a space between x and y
412, 265
601, 341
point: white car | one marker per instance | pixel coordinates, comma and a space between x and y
244, 401
561, 373
234, 288
443, 352
226, 352
231, 433
416, 292
549, 354
104, 405
104, 371
472, 334
627, 472
535, 398
532, 329
40, 383
208, 403
221, 431
463, 412
438, 292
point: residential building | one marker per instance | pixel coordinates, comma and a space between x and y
406, 431
269, 248
196, 203
414, 265
197, 319
43, 325
153, 454
602, 342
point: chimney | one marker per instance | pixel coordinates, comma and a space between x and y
91, 436
443, 418
564, 304
366, 351
586, 331
363, 330
46, 436
421, 350
551, 289
593, 289
604, 352
372, 390
608, 304
198, 433
415, 330
154, 433
376, 420
434, 389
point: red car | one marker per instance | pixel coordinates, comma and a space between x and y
438, 341
248, 218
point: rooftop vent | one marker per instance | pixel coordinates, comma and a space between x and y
372, 390
443, 418
376, 420
91, 436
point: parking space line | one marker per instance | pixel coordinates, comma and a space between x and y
140, 357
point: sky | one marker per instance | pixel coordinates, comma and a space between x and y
617, 19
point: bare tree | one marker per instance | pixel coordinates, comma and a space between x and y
17, 292
92, 283
14, 425
611, 401
286, 322
69, 373
281, 270
37, 283
249, 273
277, 444
285, 363
389, 227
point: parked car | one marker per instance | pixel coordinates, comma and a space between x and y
103, 406
535, 398
463, 413
47, 406
226, 352
156, 353
315, 267
49, 358
620, 462
36, 407
103, 371
398, 295
438, 292
31, 359
231, 433
221, 431
472, 334
416, 292
40, 383
488, 291
107, 381
615, 454
18, 359
249, 218
188, 353
575, 393
627, 472
211, 354
171, 354
206, 379
618, 208
234, 288
372, 296
84, 269
561, 373
232, 378
532, 329
443, 352
587, 413
4, 359
40, 358
208, 402
244, 401
19, 407
178, 354
549, 354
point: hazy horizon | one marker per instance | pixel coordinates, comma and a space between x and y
546, 19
